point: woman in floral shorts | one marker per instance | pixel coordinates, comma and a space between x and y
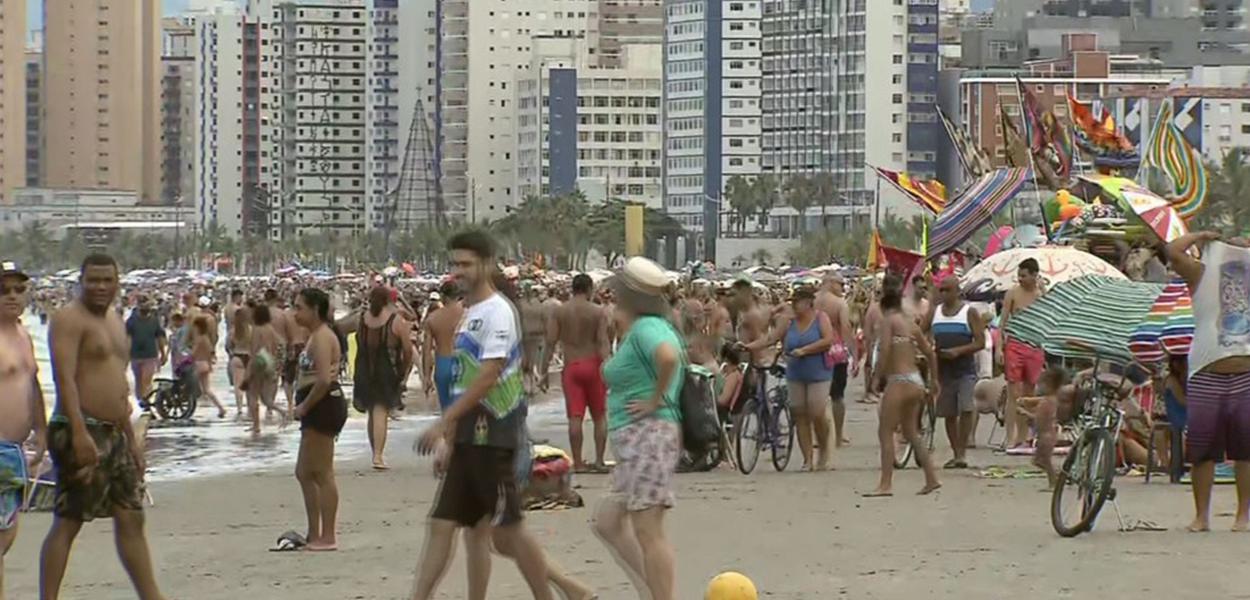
644, 381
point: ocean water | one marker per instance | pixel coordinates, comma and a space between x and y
206, 445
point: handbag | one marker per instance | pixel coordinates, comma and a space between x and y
696, 410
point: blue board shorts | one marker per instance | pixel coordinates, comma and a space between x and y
13, 481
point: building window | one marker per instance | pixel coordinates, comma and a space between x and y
898, 98
898, 59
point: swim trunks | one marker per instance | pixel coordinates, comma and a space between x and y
12, 483
584, 389
114, 484
1023, 363
1218, 409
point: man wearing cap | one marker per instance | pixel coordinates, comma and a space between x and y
99, 461
148, 348
21, 403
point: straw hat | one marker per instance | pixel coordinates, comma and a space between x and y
642, 286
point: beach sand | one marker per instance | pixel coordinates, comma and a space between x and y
797, 535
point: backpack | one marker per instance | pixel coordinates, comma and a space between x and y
696, 404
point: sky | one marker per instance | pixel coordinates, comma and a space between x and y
35, 11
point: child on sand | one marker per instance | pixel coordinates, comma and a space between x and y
1044, 411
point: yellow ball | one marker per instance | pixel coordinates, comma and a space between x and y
730, 586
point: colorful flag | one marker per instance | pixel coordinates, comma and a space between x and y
930, 194
972, 157
1171, 153
1031, 117
1012, 139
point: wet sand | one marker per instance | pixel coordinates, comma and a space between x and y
799, 536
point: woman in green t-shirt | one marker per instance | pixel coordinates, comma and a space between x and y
644, 381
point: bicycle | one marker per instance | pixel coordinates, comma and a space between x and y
904, 452
765, 420
1090, 466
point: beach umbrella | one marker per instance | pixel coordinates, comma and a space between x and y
1167, 329
997, 273
974, 207
1157, 213
1097, 312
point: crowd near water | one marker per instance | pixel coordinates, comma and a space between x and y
109, 381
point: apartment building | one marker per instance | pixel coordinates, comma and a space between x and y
12, 97
383, 141
592, 128
34, 115
102, 107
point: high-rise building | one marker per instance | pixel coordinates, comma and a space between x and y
321, 54
789, 88
178, 111
34, 115
623, 22
712, 102
102, 103
382, 133
485, 44
12, 97
590, 128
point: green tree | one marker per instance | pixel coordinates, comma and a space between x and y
1227, 209
800, 194
743, 196
35, 245
822, 247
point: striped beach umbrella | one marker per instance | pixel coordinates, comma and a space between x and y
974, 207
1168, 328
1097, 312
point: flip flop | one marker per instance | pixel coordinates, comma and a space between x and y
289, 542
877, 495
925, 491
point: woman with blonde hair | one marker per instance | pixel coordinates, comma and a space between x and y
644, 380
203, 353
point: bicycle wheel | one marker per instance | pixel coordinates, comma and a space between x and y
747, 433
783, 438
1084, 483
928, 429
903, 450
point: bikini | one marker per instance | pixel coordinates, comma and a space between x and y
913, 377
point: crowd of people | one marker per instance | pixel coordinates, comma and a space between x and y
485, 347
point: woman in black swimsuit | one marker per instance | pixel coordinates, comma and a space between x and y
322, 411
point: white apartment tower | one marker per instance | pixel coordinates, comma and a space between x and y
592, 128
484, 45
713, 96
383, 139
320, 55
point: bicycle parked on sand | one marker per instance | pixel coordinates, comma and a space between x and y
1085, 482
765, 422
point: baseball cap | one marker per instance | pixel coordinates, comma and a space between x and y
9, 268
205, 301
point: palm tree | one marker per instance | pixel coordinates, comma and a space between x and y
744, 199
800, 194
897, 232
1227, 210
768, 194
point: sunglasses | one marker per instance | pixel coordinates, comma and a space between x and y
15, 289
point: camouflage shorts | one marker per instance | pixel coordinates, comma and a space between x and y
114, 484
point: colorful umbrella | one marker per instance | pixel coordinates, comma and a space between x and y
997, 274
1157, 213
1167, 329
1097, 312
974, 207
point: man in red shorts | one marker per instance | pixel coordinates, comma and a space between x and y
581, 328
1022, 363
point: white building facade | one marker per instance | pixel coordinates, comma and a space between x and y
591, 128
382, 133
320, 57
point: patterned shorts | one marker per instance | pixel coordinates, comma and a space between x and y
114, 484
647, 452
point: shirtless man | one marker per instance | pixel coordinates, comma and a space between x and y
1022, 363
21, 402
581, 328
534, 329
296, 337
98, 459
439, 344
831, 300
